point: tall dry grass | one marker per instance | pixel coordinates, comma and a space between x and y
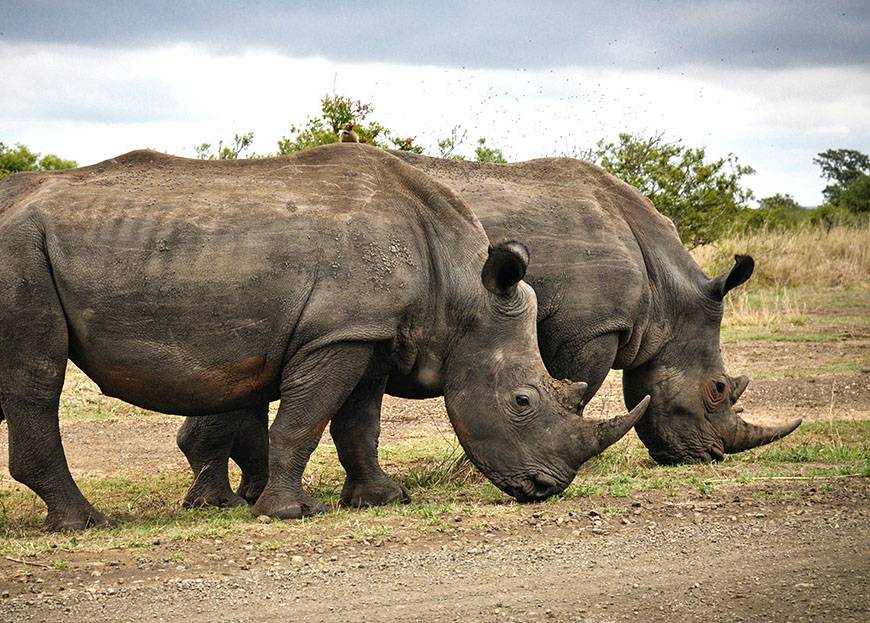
766, 309
792, 259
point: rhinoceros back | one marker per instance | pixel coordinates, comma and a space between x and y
221, 270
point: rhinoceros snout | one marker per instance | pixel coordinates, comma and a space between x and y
537, 486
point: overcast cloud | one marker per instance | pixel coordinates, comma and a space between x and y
772, 82
456, 33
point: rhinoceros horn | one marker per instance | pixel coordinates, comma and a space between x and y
752, 435
603, 433
748, 435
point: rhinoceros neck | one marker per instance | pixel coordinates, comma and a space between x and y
674, 280
604, 261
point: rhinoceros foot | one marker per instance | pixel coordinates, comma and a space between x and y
211, 488
251, 487
220, 500
373, 493
72, 519
288, 506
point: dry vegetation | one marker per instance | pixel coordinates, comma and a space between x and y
811, 257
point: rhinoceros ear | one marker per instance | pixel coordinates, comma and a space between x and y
724, 283
505, 267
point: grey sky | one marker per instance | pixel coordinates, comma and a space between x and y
505, 34
773, 82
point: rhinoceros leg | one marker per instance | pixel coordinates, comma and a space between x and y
33, 356
313, 388
355, 430
206, 442
250, 451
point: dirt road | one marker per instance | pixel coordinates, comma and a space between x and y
780, 552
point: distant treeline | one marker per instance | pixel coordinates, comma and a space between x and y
705, 198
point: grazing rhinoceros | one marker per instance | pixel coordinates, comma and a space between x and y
616, 289
192, 287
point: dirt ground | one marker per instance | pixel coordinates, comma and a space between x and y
777, 552
770, 550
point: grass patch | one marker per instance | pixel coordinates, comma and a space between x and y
796, 315
737, 335
148, 507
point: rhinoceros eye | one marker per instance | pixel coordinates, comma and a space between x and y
720, 387
522, 403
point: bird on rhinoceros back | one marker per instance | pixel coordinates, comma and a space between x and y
348, 134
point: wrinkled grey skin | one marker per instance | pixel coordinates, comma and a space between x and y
616, 289
197, 288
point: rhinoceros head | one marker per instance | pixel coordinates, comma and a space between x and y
693, 416
522, 428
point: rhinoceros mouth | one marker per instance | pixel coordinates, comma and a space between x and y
535, 487
712, 454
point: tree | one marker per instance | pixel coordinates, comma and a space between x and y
447, 146
21, 158
407, 144
845, 167
703, 198
855, 198
775, 212
482, 153
231, 151
336, 113
779, 202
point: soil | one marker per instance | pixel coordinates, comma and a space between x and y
792, 550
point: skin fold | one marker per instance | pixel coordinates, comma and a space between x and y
616, 289
200, 288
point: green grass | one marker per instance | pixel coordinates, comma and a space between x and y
796, 315
732, 335
148, 507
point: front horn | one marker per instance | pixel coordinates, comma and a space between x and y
607, 432
750, 436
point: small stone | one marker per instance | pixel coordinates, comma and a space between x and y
264, 519
297, 559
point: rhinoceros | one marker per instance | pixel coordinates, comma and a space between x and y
616, 289
193, 287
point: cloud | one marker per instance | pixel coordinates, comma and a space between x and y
488, 34
94, 103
